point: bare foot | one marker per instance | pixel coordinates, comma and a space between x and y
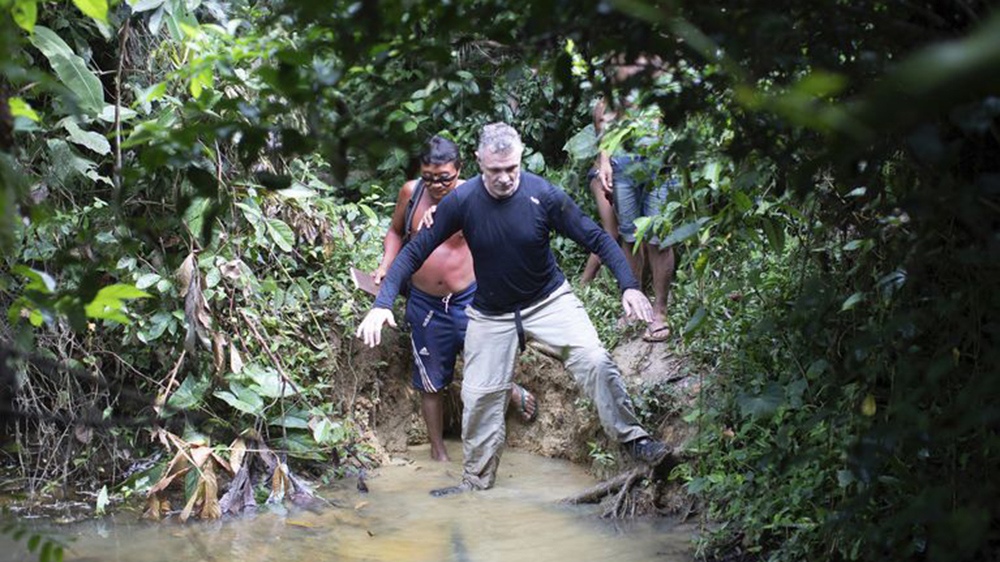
440, 454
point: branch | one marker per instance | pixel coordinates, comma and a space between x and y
118, 105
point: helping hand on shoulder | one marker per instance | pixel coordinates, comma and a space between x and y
427, 220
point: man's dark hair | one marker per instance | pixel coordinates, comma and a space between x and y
440, 150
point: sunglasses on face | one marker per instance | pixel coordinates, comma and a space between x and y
443, 180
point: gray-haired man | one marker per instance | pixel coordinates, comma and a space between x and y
507, 217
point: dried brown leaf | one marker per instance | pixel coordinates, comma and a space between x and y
210, 508
200, 454
237, 451
280, 484
167, 480
177, 466
152, 512
235, 361
185, 272
231, 269
222, 463
219, 352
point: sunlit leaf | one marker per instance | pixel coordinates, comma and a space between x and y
109, 302
25, 14
145, 5
102, 501
20, 108
147, 280
97, 9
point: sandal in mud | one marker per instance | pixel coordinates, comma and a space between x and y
522, 403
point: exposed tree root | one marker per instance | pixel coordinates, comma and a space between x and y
640, 490
628, 496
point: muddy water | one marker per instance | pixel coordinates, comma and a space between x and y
398, 520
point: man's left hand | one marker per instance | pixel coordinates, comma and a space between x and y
637, 305
427, 220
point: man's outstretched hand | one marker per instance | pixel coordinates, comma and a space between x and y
370, 329
637, 306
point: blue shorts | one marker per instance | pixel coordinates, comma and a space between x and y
437, 334
639, 191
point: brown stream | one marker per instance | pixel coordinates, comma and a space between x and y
518, 520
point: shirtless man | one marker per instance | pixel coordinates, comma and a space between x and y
439, 291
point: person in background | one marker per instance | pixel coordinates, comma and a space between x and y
507, 217
439, 291
638, 186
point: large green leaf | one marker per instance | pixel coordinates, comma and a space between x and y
37, 280
71, 70
242, 398
97, 9
145, 5
267, 382
20, 108
683, 232
190, 393
88, 139
109, 302
583, 145
25, 14
281, 233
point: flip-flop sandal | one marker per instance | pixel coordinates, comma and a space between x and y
522, 407
660, 334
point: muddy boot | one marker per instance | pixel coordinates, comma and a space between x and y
452, 490
648, 451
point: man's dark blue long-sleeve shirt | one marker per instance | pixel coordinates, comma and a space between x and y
509, 240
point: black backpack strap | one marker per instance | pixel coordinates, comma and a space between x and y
411, 207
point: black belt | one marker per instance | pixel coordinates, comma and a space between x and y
521, 340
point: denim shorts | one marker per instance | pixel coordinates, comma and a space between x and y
640, 190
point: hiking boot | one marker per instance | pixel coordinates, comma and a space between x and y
451, 490
649, 451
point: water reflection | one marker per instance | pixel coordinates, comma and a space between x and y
398, 520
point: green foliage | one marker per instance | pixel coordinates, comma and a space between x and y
836, 221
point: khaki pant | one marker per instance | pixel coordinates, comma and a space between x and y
560, 322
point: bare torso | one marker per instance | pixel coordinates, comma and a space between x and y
449, 267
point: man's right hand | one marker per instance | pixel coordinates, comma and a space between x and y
378, 276
605, 175
370, 329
